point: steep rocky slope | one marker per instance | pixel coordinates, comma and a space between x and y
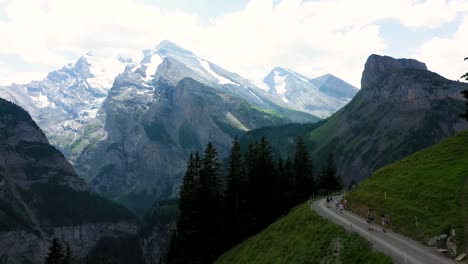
41, 196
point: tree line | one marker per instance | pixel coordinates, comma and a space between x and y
465, 94
219, 207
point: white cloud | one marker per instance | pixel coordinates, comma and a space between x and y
311, 37
445, 55
7, 77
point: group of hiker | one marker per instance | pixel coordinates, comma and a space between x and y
370, 220
341, 204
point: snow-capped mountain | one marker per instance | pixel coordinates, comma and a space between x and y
322, 96
178, 63
164, 105
66, 100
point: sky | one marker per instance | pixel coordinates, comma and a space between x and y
249, 37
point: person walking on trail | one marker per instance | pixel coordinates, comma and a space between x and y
341, 207
384, 223
370, 219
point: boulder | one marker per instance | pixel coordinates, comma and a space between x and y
439, 241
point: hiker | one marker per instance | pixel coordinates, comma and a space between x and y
384, 223
341, 207
370, 219
328, 202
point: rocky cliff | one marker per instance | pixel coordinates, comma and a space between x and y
41, 196
402, 107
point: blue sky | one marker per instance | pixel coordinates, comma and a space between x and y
249, 37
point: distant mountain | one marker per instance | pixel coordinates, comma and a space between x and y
401, 108
41, 196
67, 99
322, 96
334, 87
162, 107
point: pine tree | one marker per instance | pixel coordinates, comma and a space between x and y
262, 185
185, 243
304, 176
465, 94
56, 255
210, 208
68, 257
290, 175
329, 180
285, 177
236, 195
251, 171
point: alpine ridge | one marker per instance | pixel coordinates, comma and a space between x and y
322, 96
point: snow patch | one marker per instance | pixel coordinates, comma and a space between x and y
92, 113
256, 96
221, 80
42, 101
103, 70
233, 120
280, 83
152, 66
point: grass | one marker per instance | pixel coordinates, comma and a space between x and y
303, 237
429, 186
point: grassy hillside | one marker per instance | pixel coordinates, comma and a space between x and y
303, 237
430, 185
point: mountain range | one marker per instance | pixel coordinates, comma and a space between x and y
128, 127
128, 124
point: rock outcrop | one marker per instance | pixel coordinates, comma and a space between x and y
401, 108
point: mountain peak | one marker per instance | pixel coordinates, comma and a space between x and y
378, 66
387, 61
167, 46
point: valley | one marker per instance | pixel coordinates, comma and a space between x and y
152, 155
